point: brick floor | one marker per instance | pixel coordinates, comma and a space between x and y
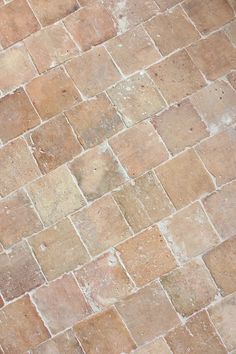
117, 176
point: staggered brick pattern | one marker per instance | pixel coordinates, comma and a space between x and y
117, 176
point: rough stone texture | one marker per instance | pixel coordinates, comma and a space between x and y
157, 346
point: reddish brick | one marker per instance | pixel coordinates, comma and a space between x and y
55, 195
157, 346
52, 93
143, 202
180, 127
91, 25
97, 172
50, 46
16, 68
221, 208
133, 50
171, 30
17, 218
19, 272
21, 328
101, 225
223, 317
51, 11
218, 155
166, 4
1, 302
190, 287
58, 249
17, 22
53, 144
61, 303
86, 71
139, 149
94, 120
104, 333
208, 15
177, 76
136, 98
189, 232
17, 115
214, 56
17, 166
146, 256
196, 336
148, 313
222, 267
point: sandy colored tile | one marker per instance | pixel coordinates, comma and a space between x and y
157, 346
177, 76
232, 79
61, 303
58, 249
189, 232
101, 225
55, 195
231, 32
94, 120
190, 287
166, 4
180, 127
143, 202
136, 98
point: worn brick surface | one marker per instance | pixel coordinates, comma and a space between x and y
166, 4
231, 32
157, 346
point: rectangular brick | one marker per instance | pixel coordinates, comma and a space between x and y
143, 202
58, 249
184, 178
17, 166
55, 195
101, 225
157, 346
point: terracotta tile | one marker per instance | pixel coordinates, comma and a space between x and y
17, 115
19, 272
101, 225
50, 46
94, 120
61, 344
231, 32
177, 76
223, 316
104, 281
189, 232
217, 105
197, 336
157, 346
218, 155
61, 303
104, 333
17, 22
214, 56
86, 71
180, 127
146, 256
143, 202
53, 144
97, 172
20, 320
208, 15
130, 13
166, 4
184, 178
232, 79
51, 11
148, 313
17, 218
91, 25
136, 98
133, 50
55, 195
17, 166
222, 267
190, 287
139, 149
52, 93
58, 249
171, 30
16, 68
221, 208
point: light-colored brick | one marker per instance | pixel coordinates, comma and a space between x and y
232, 79
166, 4
157, 346
231, 32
